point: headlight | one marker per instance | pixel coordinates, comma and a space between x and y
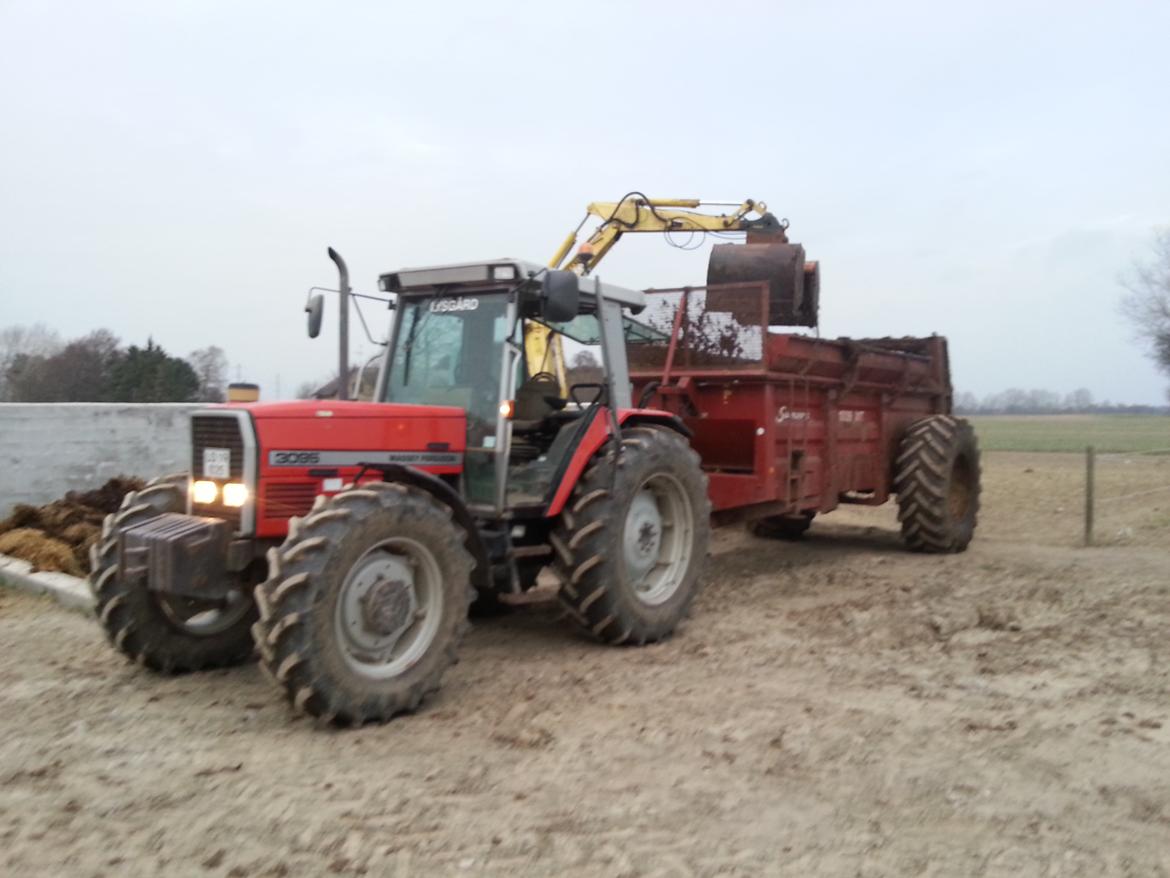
235, 494
204, 492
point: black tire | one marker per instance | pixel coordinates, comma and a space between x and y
937, 478
149, 627
599, 589
318, 571
781, 527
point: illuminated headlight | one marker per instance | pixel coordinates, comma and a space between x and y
204, 492
235, 494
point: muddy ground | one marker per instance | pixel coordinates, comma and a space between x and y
837, 707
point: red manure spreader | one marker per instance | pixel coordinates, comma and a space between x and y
346, 541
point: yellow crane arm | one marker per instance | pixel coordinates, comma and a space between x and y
634, 213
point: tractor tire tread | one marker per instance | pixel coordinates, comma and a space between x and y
131, 617
586, 543
924, 468
303, 572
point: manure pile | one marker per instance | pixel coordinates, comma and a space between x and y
57, 536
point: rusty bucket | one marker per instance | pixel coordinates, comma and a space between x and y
793, 283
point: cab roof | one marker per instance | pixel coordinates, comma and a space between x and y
493, 272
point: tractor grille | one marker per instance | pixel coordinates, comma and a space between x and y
213, 431
284, 500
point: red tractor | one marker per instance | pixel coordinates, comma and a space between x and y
345, 541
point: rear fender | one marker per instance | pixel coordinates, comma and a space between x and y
596, 436
449, 497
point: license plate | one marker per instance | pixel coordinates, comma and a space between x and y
217, 463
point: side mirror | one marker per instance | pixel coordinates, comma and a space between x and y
560, 296
315, 310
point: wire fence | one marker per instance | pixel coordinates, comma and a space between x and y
1111, 479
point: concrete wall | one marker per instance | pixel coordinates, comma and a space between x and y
47, 449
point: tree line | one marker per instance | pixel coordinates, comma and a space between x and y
37, 365
1016, 401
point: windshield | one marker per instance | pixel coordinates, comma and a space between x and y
448, 352
585, 330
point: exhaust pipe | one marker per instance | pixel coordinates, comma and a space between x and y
343, 325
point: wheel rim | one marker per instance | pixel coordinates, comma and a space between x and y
657, 537
201, 618
389, 608
961, 489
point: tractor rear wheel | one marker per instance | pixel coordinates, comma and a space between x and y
167, 633
781, 527
365, 603
937, 481
631, 543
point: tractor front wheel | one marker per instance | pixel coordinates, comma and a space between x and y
167, 633
365, 603
632, 541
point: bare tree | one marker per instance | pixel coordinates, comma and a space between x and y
584, 359
1080, 400
211, 366
79, 372
24, 342
1147, 302
966, 402
584, 369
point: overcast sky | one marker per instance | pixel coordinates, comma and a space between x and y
985, 171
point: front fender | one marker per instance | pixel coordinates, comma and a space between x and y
596, 436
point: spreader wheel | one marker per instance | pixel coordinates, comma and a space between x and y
365, 603
937, 481
632, 541
167, 633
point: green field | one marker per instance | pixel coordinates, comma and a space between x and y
1072, 432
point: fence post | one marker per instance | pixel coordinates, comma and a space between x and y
1090, 460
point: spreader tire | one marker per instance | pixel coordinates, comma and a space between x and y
937, 481
365, 603
162, 632
631, 543
781, 527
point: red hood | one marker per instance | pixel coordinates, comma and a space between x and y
332, 408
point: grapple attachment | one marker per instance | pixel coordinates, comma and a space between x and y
793, 283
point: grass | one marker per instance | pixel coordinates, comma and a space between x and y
1073, 432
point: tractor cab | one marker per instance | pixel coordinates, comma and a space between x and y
480, 337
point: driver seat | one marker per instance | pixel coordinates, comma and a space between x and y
536, 399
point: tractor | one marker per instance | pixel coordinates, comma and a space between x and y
347, 541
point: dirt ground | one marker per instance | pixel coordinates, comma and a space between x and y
835, 707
